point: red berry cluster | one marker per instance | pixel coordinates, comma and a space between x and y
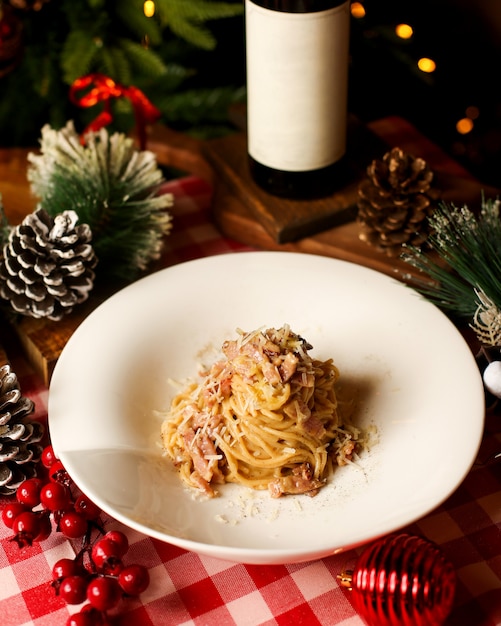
97, 573
38, 501
102, 581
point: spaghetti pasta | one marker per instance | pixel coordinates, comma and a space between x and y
265, 416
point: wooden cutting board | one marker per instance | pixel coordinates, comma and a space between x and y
249, 215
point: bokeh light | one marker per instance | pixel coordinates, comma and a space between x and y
149, 8
404, 31
427, 65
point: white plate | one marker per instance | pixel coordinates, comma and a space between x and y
415, 377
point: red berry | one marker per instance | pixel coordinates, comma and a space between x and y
66, 567
73, 525
28, 492
26, 528
48, 456
99, 617
81, 619
55, 497
103, 593
120, 538
45, 527
88, 616
105, 555
73, 589
10, 511
87, 508
58, 473
134, 579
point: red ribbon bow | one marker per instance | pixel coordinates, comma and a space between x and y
103, 90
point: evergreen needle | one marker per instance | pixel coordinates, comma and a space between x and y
112, 187
466, 259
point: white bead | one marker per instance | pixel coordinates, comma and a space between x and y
492, 378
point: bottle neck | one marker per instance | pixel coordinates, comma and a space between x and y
299, 6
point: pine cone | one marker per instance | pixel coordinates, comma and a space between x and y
395, 200
19, 436
48, 264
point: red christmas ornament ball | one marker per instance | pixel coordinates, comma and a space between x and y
404, 580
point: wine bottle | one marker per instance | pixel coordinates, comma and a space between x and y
297, 87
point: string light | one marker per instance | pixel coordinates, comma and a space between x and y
149, 8
404, 31
472, 112
464, 126
427, 65
357, 10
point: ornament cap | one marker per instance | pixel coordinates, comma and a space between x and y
345, 579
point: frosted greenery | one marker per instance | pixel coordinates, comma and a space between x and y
113, 187
487, 321
4, 225
463, 259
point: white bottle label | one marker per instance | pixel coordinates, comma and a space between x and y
297, 84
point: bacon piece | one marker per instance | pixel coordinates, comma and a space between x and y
255, 351
348, 450
270, 349
209, 423
203, 485
288, 366
271, 373
225, 386
299, 481
298, 410
230, 349
301, 412
200, 447
314, 427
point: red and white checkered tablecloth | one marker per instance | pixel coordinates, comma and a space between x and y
196, 590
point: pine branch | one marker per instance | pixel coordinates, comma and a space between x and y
200, 106
113, 62
144, 28
187, 19
4, 225
469, 257
78, 54
112, 187
144, 62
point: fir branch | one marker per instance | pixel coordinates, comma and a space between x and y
112, 187
131, 14
145, 62
78, 54
5, 226
113, 62
200, 106
469, 257
187, 19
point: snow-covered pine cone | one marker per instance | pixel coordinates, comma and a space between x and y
47, 265
20, 449
395, 201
